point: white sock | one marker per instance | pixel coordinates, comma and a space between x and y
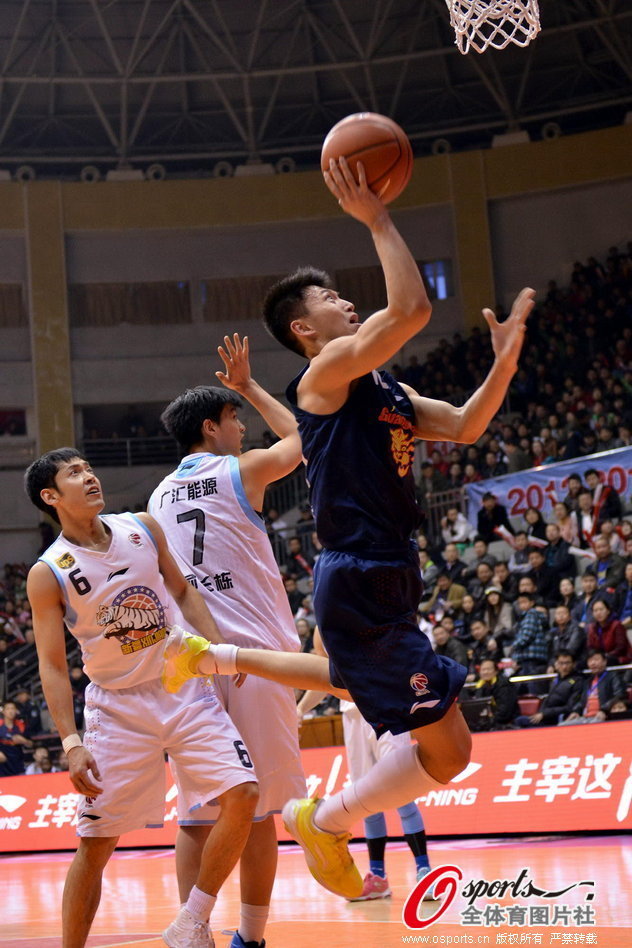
252, 922
200, 904
394, 780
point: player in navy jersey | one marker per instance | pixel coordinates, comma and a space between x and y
358, 427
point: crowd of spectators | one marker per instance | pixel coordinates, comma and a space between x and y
572, 395
28, 743
532, 603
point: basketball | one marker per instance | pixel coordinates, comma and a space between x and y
380, 144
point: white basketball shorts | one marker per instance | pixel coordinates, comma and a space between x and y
128, 733
264, 713
363, 747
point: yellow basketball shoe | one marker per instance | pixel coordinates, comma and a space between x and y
327, 854
181, 657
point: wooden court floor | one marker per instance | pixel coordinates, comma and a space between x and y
139, 898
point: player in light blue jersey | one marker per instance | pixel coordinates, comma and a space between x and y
210, 508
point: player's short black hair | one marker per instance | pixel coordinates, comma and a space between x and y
42, 473
285, 301
184, 416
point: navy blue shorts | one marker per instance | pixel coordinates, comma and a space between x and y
366, 612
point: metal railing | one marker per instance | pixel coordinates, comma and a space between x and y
16, 453
437, 505
130, 452
288, 493
27, 676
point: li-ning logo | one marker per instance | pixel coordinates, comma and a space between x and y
11, 802
419, 682
443, 882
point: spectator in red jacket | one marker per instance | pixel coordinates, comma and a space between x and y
608, 634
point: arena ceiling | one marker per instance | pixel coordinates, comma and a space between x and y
194, 83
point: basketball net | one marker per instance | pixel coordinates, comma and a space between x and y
496, 23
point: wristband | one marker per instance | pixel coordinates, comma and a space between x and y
225, 656
73, 740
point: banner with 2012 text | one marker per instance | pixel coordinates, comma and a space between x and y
542, 487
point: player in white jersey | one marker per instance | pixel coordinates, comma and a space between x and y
209, 508
112, 581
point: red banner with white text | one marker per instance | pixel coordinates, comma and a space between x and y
534, 781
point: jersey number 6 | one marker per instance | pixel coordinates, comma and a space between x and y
80, 582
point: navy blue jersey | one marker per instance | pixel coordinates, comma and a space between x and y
359, 467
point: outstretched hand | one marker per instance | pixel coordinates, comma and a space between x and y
355, 197
234, 354
508, 337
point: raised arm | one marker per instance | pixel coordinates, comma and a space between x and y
48, 627
440, 421
407, 309
260, 467
235, 354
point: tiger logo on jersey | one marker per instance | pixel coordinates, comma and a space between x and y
402, 439
135, 617
402, 449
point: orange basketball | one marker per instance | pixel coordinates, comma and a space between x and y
380, 144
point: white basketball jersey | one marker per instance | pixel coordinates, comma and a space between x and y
223, 549
117, 605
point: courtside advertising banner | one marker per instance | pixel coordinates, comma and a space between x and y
544, 780
542, 487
